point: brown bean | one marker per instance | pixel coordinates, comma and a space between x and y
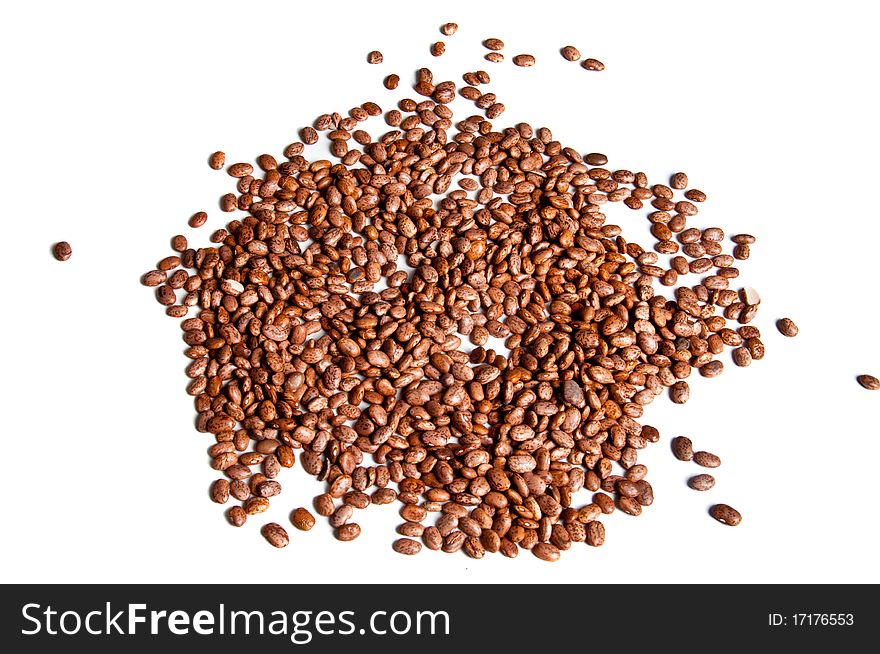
275, 534
706, 459
413, 529
701, 482
546, 552
679, 181
62, 251
787, 327
198, 219
255, 505
324, 505
302, 519
592, 64
682, 448
725, 514
240, 170
154, 278
679, 392
217, 160
524, 60
407, 546
570, 53
220, 491
309, 135
869, 381
448, 29
347, 532
179, 243
237, 516
629, 506
374, 57
595, 533
341, 515
432, 538
742, 357
712, 369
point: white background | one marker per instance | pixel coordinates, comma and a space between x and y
111, 109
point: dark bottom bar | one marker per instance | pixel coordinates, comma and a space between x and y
396, 618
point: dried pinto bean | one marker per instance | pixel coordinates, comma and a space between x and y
329, 316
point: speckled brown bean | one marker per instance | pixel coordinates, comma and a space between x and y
725, 514
756, 347
198, 219
787, 327
570, 53
869, 382
495, 110
324, 505
392, 81
508, 548
629, 506
165, 295
432, 538
217, 160
494, 44
240, 170
179, 243
706, 459
347, 532
341, 515
237, 516
454, 542
411, 529
604, 502
683, 448
255, 505
701, 482
473, 547
712, 369
595, 533
413, 512
593, 64
154, 278
228, 203
524, 60
375, 57
62, 251
645, 495
220, 491
679, 181
275, 534
309, 135
302, 519
742, 357
546, 552
680, 392
438, 48
448, 29
407, 546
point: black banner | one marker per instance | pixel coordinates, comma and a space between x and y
423, 618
